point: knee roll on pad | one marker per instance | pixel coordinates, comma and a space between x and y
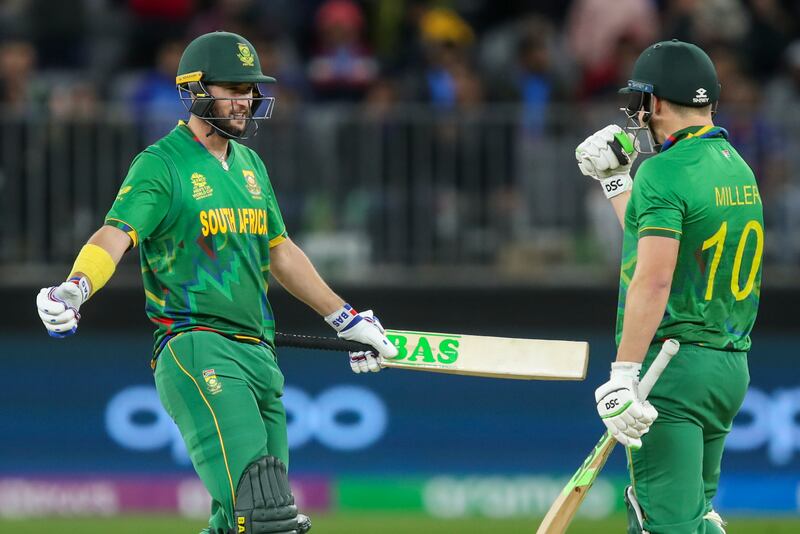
264, 500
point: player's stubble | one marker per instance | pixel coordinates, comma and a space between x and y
230, 115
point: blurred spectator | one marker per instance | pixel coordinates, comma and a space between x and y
75, 100
161, 9
342, 67
237, 16
285, 18
595, 31
782, 94
13, 21
740, 111
782, 190
771, 30
19, 90
720, 21
154, 99
605, 80
156, 21
280, 59
750, 132
380, 100
535, 80
58, 30
678, 20
448, 80
706, 22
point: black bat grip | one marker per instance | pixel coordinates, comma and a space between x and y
616, 148
320, 343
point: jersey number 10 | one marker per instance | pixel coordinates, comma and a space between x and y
718, 240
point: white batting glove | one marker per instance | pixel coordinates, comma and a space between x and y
361, 327
58, 307
607, 156
626, 416
366, 361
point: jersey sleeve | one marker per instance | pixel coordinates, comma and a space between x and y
143, 199
660, 210
276, 229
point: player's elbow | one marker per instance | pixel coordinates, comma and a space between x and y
655, 282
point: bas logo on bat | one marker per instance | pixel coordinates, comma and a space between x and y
442, 350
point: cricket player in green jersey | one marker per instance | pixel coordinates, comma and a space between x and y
201, 208
691, 271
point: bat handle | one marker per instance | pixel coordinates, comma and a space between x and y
319, 343
668, 350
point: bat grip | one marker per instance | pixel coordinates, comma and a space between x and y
668, 350
320, 343
619, 151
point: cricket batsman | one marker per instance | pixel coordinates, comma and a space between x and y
691, 270
201, 208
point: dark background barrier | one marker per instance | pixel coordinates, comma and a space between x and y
483, 309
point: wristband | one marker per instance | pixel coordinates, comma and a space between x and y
95, 265
83, 284
343, 319
631, 369
616, 185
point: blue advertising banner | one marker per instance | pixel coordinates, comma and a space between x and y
88, 405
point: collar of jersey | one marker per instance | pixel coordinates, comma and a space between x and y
701, 132
183, 127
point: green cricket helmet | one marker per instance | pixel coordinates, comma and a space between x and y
676, 71
217, 58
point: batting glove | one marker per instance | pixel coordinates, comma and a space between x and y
626, 416
607, 156
366, 361
58, 306
361, 327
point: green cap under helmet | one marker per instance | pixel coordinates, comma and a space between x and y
676, 71
220, 57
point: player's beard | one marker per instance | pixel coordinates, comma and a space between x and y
222, 119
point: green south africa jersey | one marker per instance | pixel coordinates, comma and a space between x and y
204, 235
699, 191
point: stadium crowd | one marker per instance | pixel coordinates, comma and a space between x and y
549, 58
451, 54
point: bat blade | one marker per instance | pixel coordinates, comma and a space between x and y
498, 357
566, 505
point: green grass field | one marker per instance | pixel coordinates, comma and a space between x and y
365, 524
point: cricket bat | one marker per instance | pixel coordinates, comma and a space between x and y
562, 511
497, 357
